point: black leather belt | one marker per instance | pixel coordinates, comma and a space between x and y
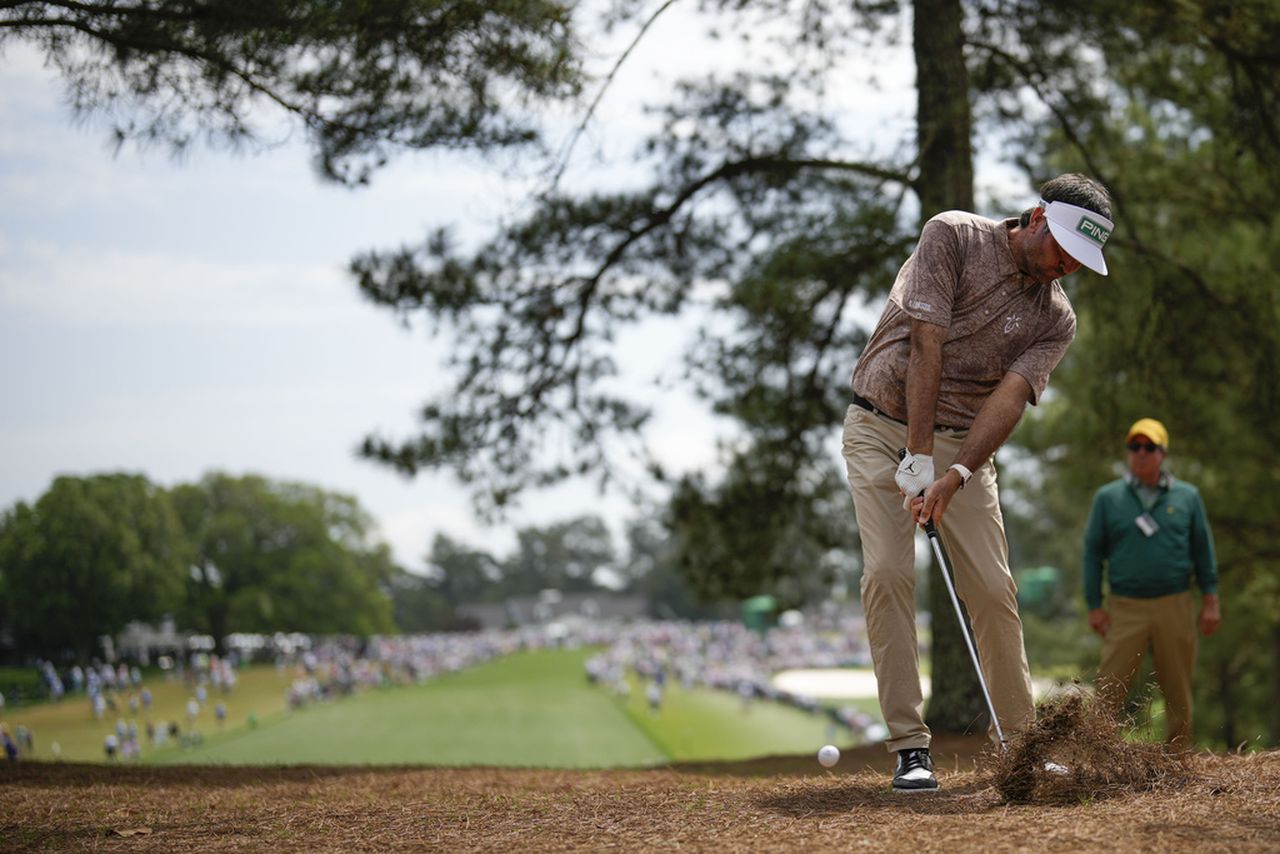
859, 400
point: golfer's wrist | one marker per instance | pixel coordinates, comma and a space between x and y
961, 472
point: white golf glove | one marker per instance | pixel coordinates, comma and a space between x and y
914, 476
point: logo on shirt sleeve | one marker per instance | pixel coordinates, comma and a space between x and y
920, 305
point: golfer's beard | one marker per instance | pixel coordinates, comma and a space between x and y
1044, 275
1038, 273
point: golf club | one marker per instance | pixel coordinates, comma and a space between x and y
944, 566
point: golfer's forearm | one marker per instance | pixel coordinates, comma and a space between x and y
995, 421
924, 378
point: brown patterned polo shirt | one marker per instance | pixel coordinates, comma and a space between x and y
962, 276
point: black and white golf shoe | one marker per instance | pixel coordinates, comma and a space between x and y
915, 771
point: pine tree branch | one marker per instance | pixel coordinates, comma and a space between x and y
119, 10
604, 87
726, 172
1033, 75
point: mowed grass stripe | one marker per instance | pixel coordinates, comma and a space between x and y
532, 709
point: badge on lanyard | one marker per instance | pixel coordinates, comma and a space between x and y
1146, 524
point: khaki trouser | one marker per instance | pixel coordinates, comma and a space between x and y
973, 530
1166, 625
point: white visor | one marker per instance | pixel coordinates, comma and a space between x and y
1080, 232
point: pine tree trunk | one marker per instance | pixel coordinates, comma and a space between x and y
943, 128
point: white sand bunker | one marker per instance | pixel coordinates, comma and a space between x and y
832, 683
849, 683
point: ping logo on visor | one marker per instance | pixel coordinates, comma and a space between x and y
1080, 232
1094, 231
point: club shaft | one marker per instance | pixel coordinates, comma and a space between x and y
944, 565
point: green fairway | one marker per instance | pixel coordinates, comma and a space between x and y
528, 709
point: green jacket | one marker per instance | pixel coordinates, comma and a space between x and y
1146, 567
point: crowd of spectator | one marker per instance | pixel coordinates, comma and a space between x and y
728, 656
723, 656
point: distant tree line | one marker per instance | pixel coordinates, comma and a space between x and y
224, 555
576, 555
248, 554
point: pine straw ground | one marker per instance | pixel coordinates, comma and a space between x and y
1113, 798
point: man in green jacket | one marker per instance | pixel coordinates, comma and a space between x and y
1149, 534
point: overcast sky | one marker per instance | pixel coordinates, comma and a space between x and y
173, 318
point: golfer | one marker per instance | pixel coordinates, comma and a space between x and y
975, 323
1149, 534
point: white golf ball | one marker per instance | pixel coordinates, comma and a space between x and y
828, 756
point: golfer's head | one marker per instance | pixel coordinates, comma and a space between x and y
1077, 210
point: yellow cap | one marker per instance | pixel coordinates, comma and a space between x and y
1152, 429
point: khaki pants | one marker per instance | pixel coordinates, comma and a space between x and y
973, 531
1167, 626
